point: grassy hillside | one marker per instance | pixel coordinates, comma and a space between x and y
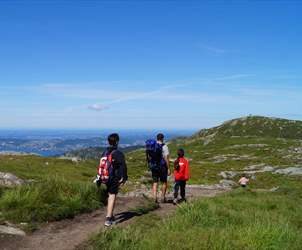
56, 189
256, 126
94, 153
233, 146
36, 167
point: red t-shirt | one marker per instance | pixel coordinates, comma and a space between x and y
182, 174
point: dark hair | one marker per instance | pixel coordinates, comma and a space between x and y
160, 137
180, 152
113, 139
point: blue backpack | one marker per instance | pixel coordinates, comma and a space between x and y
154, 155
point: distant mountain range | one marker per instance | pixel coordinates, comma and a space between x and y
55, 143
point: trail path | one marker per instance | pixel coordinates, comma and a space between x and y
69, 233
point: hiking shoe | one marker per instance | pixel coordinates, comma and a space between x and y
109, 221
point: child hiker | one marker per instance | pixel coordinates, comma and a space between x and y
243, 181
181, 174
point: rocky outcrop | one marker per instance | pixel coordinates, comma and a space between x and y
290, 171
10, 180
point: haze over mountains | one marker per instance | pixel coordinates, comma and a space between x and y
58, 142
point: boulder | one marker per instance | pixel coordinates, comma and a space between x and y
11, 230
290, 171
274, 189
268, 169
254, 167
228, 174
10, 180
227, 183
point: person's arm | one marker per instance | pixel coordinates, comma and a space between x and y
187, 173
123, 169
167, 159
120, 165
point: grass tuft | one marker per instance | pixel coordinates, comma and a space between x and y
49, 200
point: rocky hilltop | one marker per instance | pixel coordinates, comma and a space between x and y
257, 126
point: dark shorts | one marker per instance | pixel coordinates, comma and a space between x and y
113, 186
160, 175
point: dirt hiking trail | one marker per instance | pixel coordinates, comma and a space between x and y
70, 233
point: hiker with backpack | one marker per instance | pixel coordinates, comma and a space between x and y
181, 175
157, 156
112, 172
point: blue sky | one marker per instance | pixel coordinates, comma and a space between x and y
149, 64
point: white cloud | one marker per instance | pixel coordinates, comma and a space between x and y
97, 107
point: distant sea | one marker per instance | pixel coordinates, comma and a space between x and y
54, 142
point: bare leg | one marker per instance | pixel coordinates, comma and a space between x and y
110, 206
164, 190
155, 184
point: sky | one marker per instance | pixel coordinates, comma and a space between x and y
148, 64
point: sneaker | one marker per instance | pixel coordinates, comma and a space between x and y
175, 201
109, 221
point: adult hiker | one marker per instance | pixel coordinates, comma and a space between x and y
157, 153
181, 175
113, 173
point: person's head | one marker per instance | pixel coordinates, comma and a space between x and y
160, 137
180, 153
113, 139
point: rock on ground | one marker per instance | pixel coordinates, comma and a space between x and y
11, 230
10, 180
290, 171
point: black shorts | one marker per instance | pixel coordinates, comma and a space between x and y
113, 186
160, 175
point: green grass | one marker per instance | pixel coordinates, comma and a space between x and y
202, 166
243, 219
37, 168
50, 199
58, 189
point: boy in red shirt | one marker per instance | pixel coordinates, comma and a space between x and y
181, 174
